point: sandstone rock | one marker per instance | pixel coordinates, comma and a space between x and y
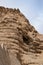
4, 56
23, 43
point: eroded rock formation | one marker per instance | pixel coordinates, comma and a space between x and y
4, 56
23, 43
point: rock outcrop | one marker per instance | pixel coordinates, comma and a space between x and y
20, 39
4, 56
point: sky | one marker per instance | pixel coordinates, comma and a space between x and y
32, 9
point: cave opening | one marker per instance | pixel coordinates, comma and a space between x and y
26, 40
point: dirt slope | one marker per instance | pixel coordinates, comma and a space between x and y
23, 43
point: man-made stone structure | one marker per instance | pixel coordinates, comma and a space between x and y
22, 43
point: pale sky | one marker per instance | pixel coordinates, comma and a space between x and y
32, 9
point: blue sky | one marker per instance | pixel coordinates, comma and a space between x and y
32, 9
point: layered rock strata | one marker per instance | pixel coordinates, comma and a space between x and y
23, 43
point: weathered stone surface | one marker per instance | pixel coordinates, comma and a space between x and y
4, 56
23, 43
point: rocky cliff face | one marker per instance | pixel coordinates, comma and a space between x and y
23, 43
4, 56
